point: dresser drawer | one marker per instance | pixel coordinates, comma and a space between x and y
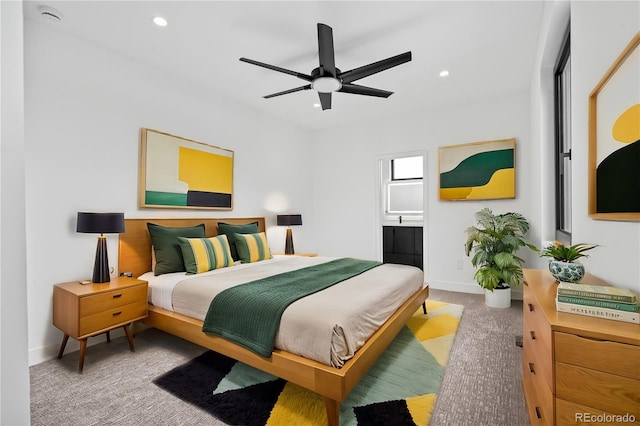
536, 328
536, 361
539, 400
603, 355
571, 414
96, 303
111, 318
604, 391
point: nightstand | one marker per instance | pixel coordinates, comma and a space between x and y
299, 254
85, 310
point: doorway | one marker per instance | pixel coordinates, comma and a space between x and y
401, 208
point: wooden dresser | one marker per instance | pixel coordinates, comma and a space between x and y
576, 369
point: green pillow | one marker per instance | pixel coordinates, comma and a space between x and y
253, 247
230, 230
205, 254
166, 246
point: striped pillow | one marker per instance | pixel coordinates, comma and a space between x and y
252, 247
205, 254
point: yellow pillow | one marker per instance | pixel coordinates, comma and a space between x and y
252, 247
205, 254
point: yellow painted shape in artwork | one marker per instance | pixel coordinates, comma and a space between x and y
421, 408
626, 128
460, 193
501, 185
298, 406
205, 171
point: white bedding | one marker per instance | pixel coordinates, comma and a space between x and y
328, 326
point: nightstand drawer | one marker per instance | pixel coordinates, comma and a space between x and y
108, 319
612, 357
96, 303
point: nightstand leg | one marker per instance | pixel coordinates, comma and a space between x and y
83, 349
108, 337
129, 337
63, 345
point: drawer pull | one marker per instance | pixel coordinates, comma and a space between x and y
530, 307
533, 335
116, 296
115, 314
538, 413
531, 368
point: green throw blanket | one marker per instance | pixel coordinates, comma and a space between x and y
249, 314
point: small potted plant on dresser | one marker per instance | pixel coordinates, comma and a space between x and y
563, 260
494, 242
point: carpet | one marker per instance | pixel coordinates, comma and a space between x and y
400, 389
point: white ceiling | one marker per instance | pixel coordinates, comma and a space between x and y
487, 46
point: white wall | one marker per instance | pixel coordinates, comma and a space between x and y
14, 372
84, 108
599, 33
345, 181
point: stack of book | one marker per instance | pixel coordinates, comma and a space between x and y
618, 304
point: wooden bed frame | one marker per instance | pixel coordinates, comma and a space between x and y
334, 384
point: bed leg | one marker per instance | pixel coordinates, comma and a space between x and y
333, 411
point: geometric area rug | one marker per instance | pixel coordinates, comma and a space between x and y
399, 389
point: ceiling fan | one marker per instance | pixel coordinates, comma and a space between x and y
327, 79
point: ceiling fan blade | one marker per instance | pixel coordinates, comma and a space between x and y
376, 67
325, 100
364, 90
285, 92
275, 68
325, 49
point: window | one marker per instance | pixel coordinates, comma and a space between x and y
562, 99
403, 188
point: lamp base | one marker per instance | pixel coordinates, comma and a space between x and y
288, 245
101, 265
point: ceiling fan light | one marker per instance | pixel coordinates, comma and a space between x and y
326, 84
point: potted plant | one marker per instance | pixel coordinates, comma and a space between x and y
494, 242
564, 265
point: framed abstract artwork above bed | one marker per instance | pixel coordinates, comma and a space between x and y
181, 173
477, 171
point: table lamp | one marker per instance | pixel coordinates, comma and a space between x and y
289, 220
100, 223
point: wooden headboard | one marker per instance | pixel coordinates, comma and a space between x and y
134, 253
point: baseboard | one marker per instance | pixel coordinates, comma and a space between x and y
49, 352
472, 288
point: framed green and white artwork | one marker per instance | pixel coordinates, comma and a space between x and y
477, 171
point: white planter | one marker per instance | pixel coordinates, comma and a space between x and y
498, 298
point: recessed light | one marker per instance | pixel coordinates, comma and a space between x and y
444, 73
160, 21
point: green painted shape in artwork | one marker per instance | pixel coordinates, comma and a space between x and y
477, 169
158, 198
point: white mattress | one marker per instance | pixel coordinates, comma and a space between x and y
328, 326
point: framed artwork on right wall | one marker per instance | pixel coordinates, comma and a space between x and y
614, 139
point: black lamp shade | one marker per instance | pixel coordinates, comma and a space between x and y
289, 219
100, 223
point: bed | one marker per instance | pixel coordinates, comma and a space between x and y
331, 382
